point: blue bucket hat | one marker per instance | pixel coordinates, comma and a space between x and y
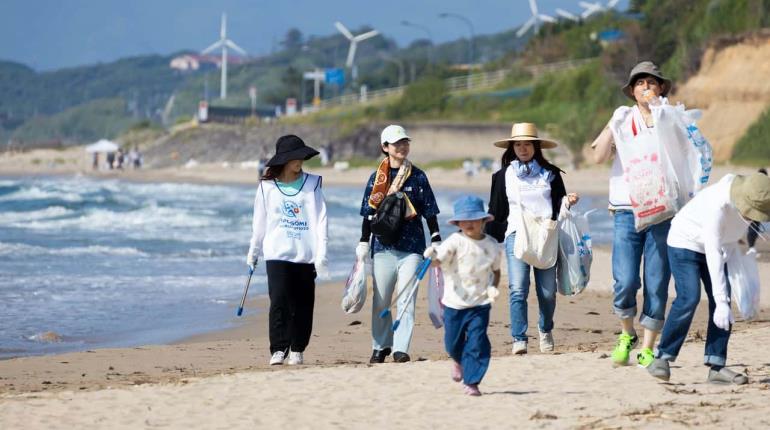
469, 208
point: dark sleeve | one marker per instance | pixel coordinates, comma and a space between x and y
425, 202
366, 210
498, 206
433, 228
366, 230
557, 192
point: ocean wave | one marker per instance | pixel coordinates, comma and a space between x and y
20, 249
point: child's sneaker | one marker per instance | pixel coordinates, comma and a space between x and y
645, 357
472, 390
277, 358
546, 342
622, 350
457, 371
295, 358
519, 347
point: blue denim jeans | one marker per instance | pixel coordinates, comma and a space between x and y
689, 269
628, 247
518, 287
466, 340
392, 272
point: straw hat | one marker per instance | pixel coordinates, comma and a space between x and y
646, 68
751, 195
525, 131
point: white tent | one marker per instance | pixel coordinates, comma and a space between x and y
102, 145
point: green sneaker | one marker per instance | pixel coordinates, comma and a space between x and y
645, 357
622, 350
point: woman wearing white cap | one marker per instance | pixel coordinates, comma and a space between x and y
397, 256
526, 181
714, 220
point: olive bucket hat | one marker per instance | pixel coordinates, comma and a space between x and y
751, 195
646, 68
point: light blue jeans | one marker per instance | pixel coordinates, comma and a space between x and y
393, 270
518, 287
628, 247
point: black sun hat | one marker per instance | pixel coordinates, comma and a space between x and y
290, 147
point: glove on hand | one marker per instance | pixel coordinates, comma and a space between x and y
431, 251
251, 260
362, 250
322, 269
723, 316
492, 293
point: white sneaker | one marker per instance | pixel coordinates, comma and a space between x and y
519, 347
295, 358
277, 358
546, 342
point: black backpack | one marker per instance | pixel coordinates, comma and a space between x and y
386, 223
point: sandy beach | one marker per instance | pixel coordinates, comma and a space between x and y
222, 379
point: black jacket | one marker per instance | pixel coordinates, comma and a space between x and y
498, 201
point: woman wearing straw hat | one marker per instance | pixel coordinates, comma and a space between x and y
290, 229
526, 180
645, 84
395, 262
714, 220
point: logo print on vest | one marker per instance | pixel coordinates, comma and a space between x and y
290, 209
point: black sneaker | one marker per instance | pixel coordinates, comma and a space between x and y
400, 357
378, 356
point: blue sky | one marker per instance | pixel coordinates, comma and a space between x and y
49, 34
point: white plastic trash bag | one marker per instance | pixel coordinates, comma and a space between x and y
435, 294
743, 274
573, 265
688, 152
354, 296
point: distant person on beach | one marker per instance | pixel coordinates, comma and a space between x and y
110, 160
526, 181
471, 265
290, 229
714, 220
396, 260
135, 158
755, 228
95, 164
119, 159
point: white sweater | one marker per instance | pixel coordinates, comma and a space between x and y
708, 224
290, 228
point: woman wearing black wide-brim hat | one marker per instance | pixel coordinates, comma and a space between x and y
290, 229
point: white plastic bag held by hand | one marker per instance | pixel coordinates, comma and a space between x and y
354, 296
743, 274
435, 294
573, 266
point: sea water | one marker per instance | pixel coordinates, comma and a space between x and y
88, 263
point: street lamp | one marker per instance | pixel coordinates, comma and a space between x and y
427, 31
470, 26
398, 63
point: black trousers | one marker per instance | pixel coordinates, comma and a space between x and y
291, 287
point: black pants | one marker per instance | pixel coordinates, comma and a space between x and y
291, 287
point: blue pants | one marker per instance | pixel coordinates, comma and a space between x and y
689, 269
466, 341
628, 247
392, 272
518, 288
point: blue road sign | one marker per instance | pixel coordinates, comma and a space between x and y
335, 76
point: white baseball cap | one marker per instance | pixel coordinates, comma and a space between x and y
392, 134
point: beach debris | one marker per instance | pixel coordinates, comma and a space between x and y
355, 323
592, 313
46, 336
542, 416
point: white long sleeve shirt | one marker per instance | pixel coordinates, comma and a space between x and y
288, 227
709, 224
468, 266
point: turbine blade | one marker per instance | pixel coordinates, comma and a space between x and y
586, 5
564, 14
366, 35
215, 45
546, 18
223, 27
235, 47
351, 54
533, 7
342, 29
612, 3
524, 28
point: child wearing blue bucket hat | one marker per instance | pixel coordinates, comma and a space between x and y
471, 264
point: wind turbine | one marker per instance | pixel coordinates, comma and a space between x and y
534, 20
568, 15
354, 41
592, 8
224, 43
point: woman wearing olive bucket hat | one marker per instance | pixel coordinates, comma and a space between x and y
645, 83
289, 228
715, 219
526, 180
